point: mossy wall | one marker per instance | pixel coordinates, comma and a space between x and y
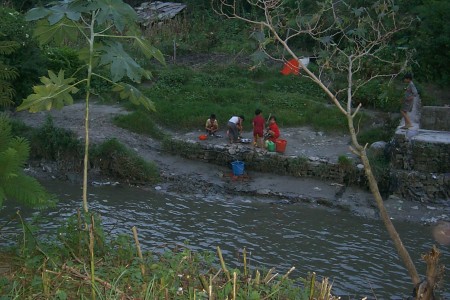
420, 165
268, 162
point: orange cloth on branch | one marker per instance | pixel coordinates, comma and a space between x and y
291, 67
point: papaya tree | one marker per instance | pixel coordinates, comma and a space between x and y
353, 42
14, 183
102, 31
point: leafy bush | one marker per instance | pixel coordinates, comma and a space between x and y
114, 159
19, 128
54, 143
64, 58
380, 95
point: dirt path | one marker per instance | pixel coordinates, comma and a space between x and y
185, 176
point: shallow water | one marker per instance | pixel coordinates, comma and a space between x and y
355, 253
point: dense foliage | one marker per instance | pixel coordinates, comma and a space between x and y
14, 183
26, 60
431, 39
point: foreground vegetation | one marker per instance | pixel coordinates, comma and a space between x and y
111, 158
64, 269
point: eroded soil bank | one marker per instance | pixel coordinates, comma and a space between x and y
183, 176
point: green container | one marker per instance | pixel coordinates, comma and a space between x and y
270, 146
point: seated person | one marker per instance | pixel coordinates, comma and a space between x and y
212, 125
235, 128
273, 132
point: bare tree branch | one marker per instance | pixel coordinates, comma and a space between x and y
348, 38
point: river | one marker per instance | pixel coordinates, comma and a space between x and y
355, 253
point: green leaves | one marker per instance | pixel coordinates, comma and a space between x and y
13, 182
148, 50
63, 30
55, 92
116, 11
121, 63
127, 91
37, 13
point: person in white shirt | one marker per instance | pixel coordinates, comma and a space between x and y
235, 128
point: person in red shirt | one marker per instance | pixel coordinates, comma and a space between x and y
273, 130
258, 129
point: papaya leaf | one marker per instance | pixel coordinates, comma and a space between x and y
37, 13
127, 91
121, 63
62, 10
149, 51
59, 32
54, 93
116, 11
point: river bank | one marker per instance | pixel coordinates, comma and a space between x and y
183, 176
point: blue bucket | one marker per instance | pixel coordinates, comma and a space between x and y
238, 168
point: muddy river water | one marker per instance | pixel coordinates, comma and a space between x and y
355, 253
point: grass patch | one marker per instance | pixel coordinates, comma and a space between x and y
140, 122
114, 159
185, 97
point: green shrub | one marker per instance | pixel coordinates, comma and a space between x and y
53, 143
63, 58
379, 95
344, 161
114, 159
19, 128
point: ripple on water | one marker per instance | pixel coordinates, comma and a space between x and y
356, 254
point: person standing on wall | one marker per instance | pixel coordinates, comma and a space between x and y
411, 96
258, 129
235, 128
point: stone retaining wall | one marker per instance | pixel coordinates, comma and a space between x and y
420, 165
345, 172
421, 186
410, 153
435, 118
